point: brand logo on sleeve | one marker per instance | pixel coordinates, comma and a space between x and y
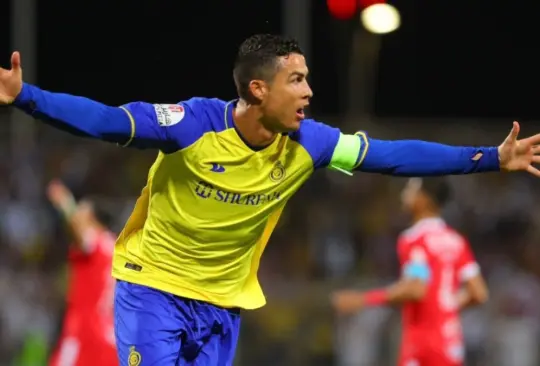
169, 114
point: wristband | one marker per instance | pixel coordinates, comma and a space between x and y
375, 297
68, 207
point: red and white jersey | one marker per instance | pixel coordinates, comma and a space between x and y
91, 288
435, 249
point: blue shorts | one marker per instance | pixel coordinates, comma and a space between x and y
153, 327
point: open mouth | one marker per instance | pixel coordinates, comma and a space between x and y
300, 113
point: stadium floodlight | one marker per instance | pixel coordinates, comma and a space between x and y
380, 18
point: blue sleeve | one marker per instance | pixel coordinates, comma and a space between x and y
139, 124
319, 140
419, 271
421, 158
76, 115
168, 127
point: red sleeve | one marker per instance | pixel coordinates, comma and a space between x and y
467, 266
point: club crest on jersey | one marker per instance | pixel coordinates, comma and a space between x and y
134, 358
278, 172
169, 114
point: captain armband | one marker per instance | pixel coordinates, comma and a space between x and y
350, 152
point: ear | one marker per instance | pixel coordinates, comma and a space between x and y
259, 89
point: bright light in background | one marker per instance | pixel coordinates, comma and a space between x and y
380, 18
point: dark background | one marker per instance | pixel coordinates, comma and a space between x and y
4, 31
465, 58
448, 59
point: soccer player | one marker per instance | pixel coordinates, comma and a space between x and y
87, 336
435, 262
186, 261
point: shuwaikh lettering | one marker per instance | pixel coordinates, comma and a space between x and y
208, 191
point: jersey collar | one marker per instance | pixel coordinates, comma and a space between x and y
229, 123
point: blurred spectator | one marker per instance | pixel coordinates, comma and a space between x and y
338, 230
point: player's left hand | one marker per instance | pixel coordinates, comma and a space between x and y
11, 80
58, 193
347, 302
521, 154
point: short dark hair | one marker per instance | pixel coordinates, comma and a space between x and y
257, 59
437, 189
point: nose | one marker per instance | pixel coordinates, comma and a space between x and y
309, 92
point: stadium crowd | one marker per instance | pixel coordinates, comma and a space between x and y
338, 231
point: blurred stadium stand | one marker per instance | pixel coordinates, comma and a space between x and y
450, 74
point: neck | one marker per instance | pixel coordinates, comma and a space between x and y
248, 122
425, 215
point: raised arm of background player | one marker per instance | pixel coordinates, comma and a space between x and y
138, 125
79, 217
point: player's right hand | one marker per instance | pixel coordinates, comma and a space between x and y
11, 80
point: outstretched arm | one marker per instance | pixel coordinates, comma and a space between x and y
76, 115
411, 287
331, 148
402, 291
421, 158
139, 124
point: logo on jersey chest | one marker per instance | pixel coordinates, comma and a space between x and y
276, 175
278, 172
208, 191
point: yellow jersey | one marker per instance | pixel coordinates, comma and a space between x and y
211, 201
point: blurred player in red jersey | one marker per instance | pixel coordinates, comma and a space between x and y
439, 278
87, 336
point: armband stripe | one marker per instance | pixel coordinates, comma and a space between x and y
132, 121
365, 145
417, 270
